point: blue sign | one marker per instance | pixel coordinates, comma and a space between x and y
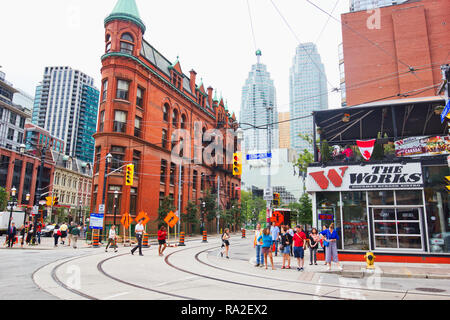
96, 221
259, 156
445, 112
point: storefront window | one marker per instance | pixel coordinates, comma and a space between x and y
436, 201
355, 221
409, 197
328, 211
381, 198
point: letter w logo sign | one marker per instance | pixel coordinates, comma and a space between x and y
333, 176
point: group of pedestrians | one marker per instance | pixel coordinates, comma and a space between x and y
139, 232
24, 234
294, 242
63, 231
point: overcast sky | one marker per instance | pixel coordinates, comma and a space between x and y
213, 37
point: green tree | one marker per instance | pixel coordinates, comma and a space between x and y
210, 208
305, 214
3, 199
191, 217
165, 207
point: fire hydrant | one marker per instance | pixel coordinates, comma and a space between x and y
370, 260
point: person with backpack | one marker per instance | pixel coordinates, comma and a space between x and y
266, 238
225, 243
56, 235
285, 247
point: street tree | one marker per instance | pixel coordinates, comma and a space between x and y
165, 207
3, 199
191, 218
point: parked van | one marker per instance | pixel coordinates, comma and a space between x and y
17, 218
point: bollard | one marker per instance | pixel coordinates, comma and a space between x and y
205, 237
243, 233
181, 244
95, 241
145, 241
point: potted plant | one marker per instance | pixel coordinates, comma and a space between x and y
378, 152
389, 150
438, 109
319, 130
325, 151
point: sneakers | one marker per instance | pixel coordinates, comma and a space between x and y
106, 250
298, 269
221, 254
301, 269
228, 257
115, 250
132, 252
257, 265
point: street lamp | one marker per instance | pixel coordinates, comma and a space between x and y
79, 216
11, 204
116, 195
203, 215
22, 148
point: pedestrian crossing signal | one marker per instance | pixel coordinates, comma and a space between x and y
237, 164
276, 199
129, 175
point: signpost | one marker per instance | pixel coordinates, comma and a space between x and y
259, 156
126, 222
96, 221
268, 194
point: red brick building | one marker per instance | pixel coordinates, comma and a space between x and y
144, 99
379, 50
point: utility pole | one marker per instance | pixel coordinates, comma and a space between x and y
179, 198
218, 204
38, 192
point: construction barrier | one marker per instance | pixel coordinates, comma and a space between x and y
145, 241
96, 241
205, 237
181, 244
243, 233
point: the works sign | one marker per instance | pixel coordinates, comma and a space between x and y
368, 177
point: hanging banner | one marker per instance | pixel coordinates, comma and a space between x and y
422, 146
366, 148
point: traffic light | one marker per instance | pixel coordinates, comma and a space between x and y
276, 199
55, 201
52, 201
237, 164
447, 183
129, 175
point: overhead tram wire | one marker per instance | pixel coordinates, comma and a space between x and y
251, 25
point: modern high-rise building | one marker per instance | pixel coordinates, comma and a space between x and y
358, 5
66, 106
258, 108
308, 93
284, 130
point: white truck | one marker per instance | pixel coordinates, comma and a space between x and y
17, 218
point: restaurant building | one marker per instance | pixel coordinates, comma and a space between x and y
395, 204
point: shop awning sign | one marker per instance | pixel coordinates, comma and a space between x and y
329, 217
389, 176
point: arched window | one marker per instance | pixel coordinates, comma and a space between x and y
166, 112
108, 43
175, 118
183, 122
164, 138
127, 43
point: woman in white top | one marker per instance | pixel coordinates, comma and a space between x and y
258, 245
112, 239
225, 242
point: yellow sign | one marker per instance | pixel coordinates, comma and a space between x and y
143, 215
171, 219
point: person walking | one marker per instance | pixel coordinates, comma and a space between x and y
71, 226
275, 232
22, 236
285, 247
266, 238
299, 251
291, 232
29, 233
331, 237
258, 245
139, 231
162, 235
225, 243
12, 232
313, 245
56, 235
112, 239
75, 234
324, 244
38, 232
63, 230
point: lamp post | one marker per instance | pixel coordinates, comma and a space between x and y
116, 195
79, 214
27, 198
38, 190
105, 177
203, 215
11, 204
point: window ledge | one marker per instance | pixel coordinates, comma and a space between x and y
121, 100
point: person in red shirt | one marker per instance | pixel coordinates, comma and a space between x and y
162, 234
299, 243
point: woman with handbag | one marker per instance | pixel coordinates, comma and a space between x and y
285, 247
331, 250
324, 244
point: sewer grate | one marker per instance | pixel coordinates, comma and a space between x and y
430, 290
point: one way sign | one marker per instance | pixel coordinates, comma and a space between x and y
171, 219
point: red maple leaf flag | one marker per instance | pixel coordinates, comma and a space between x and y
366, 148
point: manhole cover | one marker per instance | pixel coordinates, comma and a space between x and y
430, 290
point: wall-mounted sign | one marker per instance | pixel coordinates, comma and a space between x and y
369, 177
96, 221
422, 146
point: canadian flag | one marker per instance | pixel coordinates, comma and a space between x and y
366, 148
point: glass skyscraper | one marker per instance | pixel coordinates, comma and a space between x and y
358, 5
66, 106
308, 93
258, 108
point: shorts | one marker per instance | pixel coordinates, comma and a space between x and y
286, 250
299, 252
265, 250
63, 234
225, 243
161, 242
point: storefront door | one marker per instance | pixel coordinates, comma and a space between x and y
398, 228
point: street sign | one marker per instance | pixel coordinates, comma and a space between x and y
171, 219
143, 215
126, 220
259, 156
96, 221
278, 218
35, 210
445, 112
101, 208
268, 194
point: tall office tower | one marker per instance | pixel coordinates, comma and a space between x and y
258, 108
308, 93
358, 5
68, 109
284, 130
